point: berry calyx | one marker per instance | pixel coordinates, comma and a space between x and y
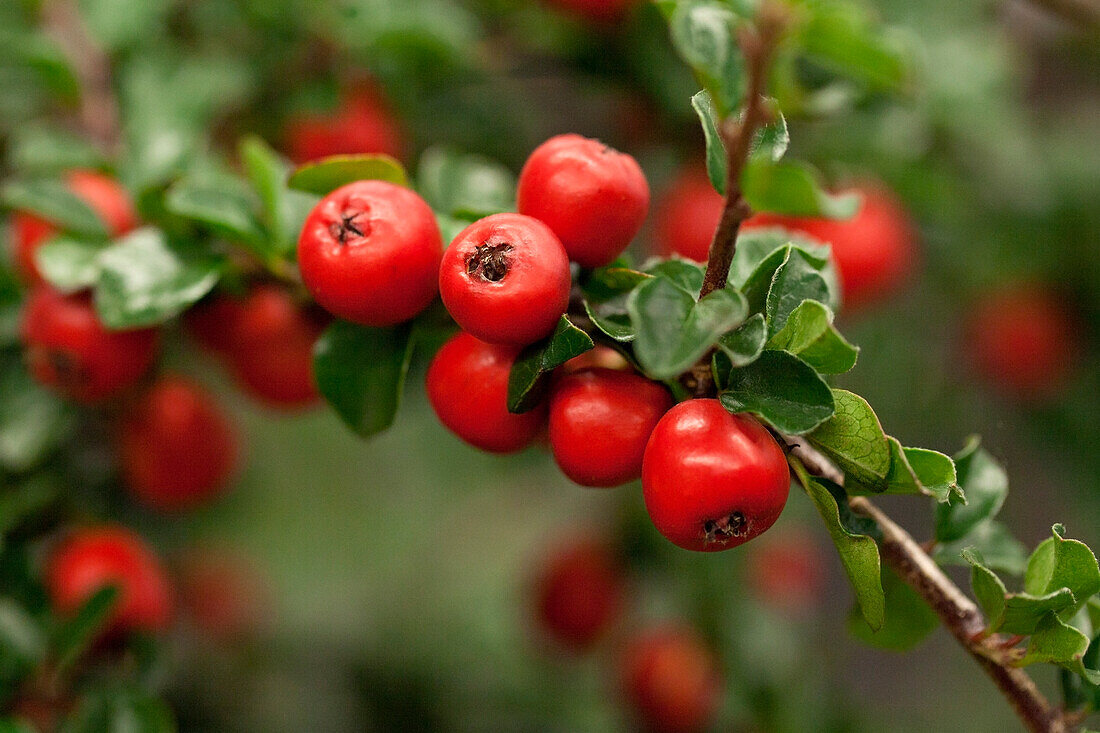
1021, 339
69, 350
688, 215
505, 279
593, 197
712, 480
467, 386
369, 252
176, 447
97, 557
102, 194
875, 250
671, 681
600, 422
580, 593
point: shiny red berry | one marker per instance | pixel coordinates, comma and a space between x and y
105, 197
593, 197
712, 480
69, 350
600, 422
363, 124
467, 386
176, 447
580, 593
97, 557
671, 681
688, 215
369, 252
598, 356
1022, 340
875, 251
505, 279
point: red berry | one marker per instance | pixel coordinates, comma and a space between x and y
603, 12
362, 125
505, 279
468, 389
580, 592
212, 323
273, 354
600, 422
94, 558
712, 480
369, 252
1022, 340
176, 447
593, 197
105, 197
786, 573
222, 594
598, 356
671, 681
688, 216
874, 251
69, 350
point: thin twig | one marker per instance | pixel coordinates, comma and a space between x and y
959, 615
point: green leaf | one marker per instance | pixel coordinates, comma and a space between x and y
22, 644
606, 291
717, 162
673, 330
842, 38
144, 280
985, 484
858, 552
994, 541
119, 710
1060, 563
220, 203
703, 34
908, 619
31, 496
33, 421
854, 440
782, 390
464, 185
686, 275
919, 470
987, 587
809, 334
531, 371
792, 188
1024, 613
773, 139
284, 210
117, 24
69, 264
743, 345
52, 200
361, 372
758, 246
75, 635
50, 150
324, 176
794, 282
1057, 643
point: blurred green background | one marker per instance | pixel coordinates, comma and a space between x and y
398, 571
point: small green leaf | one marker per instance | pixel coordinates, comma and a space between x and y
985, 484
854, 440
1057, 643
987, 587
795, 281
758, 244
530, 373
465, 185
934, 473
858, 552
324, 176
808, 333
22, 643
69, 264
1024, 612
144, 280
841, 37
118, 709
284, 210
686, 275
33, 421
1060, 563
743, 345
782, 390
222, 204
773, 139
908, 619
76, 635
50, 150
792, 188
361, 372
717, 162
52, 200
673, 330
703, 35
606, 291
1000, 549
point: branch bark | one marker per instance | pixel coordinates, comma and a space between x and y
959, 615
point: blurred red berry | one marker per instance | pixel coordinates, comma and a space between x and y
222, 594
786, 573
688, 215
580, 593
363, 124
671, 681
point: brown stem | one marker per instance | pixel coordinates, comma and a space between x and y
959, 615
1084, 13
757, 44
